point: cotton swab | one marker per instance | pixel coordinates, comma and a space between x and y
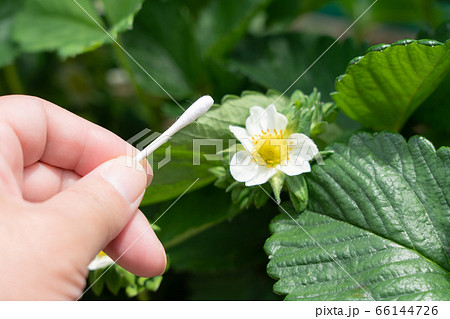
197, 109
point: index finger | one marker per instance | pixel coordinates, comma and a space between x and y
53, 135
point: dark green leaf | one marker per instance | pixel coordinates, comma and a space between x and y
385, 87
241, 284
175, 177
227, 246
380, 208
8, 11
382, 268
171, 60
276, 61
222, 23
113, 280
281, 13
192, 214
178, 63
407, 11
442, 32
431, 118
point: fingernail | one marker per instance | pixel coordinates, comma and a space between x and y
148, 169
138, 201
163, 252
127, 177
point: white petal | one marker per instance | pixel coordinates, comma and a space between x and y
292, 168
242, 136
253, 122
263, 174
261, 120
100, 262
302, 147
242, 167
274, 120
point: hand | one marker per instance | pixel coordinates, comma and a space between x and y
64, 196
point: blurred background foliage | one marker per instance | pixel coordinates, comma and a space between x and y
54, 50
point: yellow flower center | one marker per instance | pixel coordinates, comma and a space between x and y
270, 148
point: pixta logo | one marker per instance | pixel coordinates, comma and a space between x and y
142, 139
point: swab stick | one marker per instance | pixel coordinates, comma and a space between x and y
200, 107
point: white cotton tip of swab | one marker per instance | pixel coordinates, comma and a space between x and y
197, 109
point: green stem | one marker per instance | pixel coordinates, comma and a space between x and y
13, 80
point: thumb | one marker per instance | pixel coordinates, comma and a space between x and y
97, 207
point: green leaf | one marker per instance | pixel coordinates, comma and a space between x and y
192, 214
281, 13
398, 11
184, 73
276, 61
380, 208
179, 174
222, 23
177, 71
230, 245
431, 118
128, 277
441, 33
8, 11
113, 280
68, 28
120, 14
383, 88
241, 284
97, 280
319, 128
298, 191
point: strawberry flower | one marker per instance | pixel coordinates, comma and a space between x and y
269, 148
100, 261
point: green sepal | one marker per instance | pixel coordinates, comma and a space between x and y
97, 281
233, 186
319, 128
132, 291
113, 280
129, 278
153, 284
261, 196
298, 98
218, 171
277, 182
155, 227
308, 115
298, 191
326, 153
